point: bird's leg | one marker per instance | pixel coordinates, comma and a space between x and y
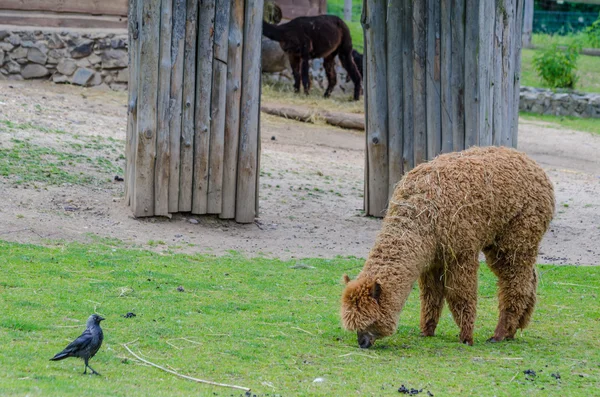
93, 372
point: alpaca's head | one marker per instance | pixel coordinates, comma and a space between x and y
364, 311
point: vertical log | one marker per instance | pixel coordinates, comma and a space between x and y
509, 70
486, 70
498, 116
348, 11
408, 155
134, 12
204, 75
143, 201
247, 188
471, 77
516, 81
189, 90
163, 161
419, 25
457, 78
232, 105
376, 81
446, 73
175, 103
433, 77
218, 108
527, 23
366, 187
394, 87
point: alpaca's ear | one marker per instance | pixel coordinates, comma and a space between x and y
376, 291
346, 279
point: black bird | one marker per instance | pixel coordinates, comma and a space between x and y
87, 345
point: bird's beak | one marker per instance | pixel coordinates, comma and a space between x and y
100, 318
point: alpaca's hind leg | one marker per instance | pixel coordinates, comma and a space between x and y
295, 64
350, 66
431, 284
517, 284
461, 295
329, 65
304, 71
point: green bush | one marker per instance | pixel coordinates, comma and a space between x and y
557, 67
593, 33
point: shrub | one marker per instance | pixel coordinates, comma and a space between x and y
593, 33
557, 67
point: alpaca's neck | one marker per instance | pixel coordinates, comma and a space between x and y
271, 31
397, 259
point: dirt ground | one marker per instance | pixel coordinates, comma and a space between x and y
311, 184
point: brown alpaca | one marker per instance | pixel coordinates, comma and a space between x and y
323, 36
442, 214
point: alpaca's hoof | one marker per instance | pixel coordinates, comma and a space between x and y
427, 333
468, 342
494, 339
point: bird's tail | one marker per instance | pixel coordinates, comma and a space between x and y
60, 356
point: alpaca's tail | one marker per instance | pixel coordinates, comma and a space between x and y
271, 31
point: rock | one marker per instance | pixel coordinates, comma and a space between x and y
6, 47
1, 57
55, 42
82, 49
108, 79
66, 67
41, 45
119, 42
83, 63
14, 40
13, 67
118, 87
52, 61
15, 77
82, 76
94, 59
35, 55
34, 71
4, 34
114, 59
96, 80
60, 78
273, 59
19, 53
27, 44
2, 76
122, 76
23, 61
3, 71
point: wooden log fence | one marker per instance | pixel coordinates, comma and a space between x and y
193, 130
441, 76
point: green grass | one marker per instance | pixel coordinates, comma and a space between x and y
569, 122
539, 39
588, 71
336, 7
269, 325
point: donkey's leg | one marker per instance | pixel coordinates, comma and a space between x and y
461, 294
431, 284
329, 65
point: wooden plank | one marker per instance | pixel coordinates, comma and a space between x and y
516, 80
133, 33
377, 122
204, 75
218, 107
446, 73
363, 21
163, 149
498, 116
457, 77
55, 20
487, 17
509, 70
394, 98
471, 76
419, 58
527, 24
93, 7
408, 153
176, 99
247, 188
189, 92
143, 200
232, 106
433, 77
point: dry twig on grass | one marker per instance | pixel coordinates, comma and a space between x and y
184, 376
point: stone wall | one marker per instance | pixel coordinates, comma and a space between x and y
537, 100
85, 59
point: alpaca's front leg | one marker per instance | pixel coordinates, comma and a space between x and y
305, 76
431, 284
295, 64
461, 295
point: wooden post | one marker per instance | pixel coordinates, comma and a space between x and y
163, 147
175, 102
376, 83
232, 106
348, 10
130, 143
143, 200
189, 89
459, 66
527, 23
247, 187
218, 107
